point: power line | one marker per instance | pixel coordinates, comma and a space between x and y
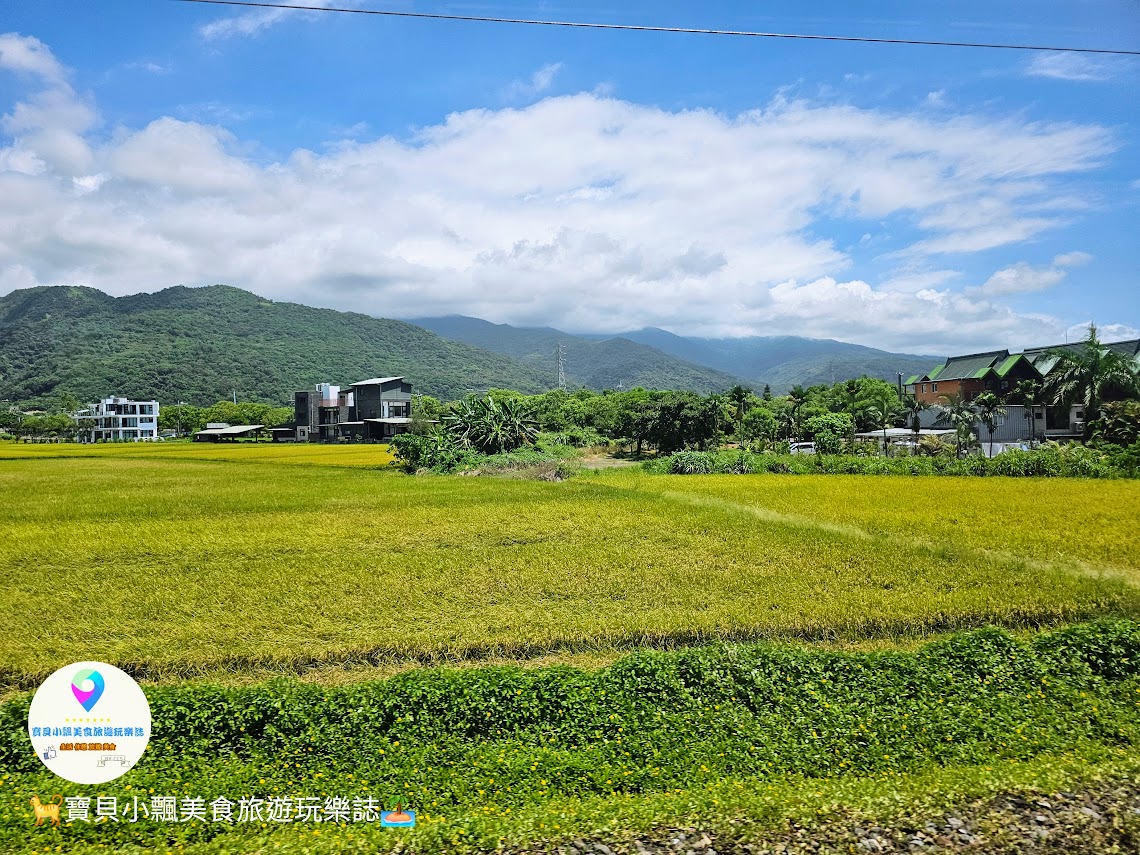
647, 29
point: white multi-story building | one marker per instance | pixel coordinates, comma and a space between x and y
118, 419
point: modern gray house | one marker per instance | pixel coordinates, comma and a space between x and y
369, 411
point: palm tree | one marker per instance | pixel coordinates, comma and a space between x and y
962, 416
884, 411
851, 391
1087, 373
738, 396
1029, 393
989, 410
913, 408
797, 397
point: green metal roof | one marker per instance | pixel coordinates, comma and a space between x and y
912, 379
933, 375
973, 366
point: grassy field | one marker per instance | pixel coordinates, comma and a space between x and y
196, 564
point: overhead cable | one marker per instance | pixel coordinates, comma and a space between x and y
649, 29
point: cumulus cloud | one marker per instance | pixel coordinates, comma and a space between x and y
29, 55
47, 128
582, 211
1022, 278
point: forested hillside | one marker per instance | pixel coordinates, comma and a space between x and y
200, 345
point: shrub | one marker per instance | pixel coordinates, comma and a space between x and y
828, 431
691, 463
435, 451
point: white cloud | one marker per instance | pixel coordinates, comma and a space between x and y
1022, 278
1069, 66
253, 23
582, 211
1072, 259
936, 99
29, 55
1105, 332
538, 83
47, 128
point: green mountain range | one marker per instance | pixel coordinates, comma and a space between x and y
594, 362
200, 345
655, 358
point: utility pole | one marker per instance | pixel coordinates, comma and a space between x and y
235, 396
561, 366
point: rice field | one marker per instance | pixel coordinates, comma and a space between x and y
197, 565
190, 561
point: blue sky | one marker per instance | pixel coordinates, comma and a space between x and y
915, 198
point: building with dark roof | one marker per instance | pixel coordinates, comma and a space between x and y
999, 371
996, 371
372, 410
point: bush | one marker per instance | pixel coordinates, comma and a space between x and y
691, 463
829, 431
573, 437
434, 451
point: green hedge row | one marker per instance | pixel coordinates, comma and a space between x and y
1074, 462
487, 741
740, 707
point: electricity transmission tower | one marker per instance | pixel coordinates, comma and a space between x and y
561, 366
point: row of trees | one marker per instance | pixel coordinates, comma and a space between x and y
830, 416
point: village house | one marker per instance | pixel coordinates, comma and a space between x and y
118, 419
999, 372
369, 411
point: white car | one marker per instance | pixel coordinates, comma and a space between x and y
802, 448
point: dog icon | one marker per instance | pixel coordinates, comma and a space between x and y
48, 811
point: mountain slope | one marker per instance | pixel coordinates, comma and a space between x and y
784, 361
606, 363
200, 344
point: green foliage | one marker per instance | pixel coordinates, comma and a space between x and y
760, 424
1090, 374
492, 426
453, 743
829, 431
435, 451
1119, 423
691, 463
1050, 460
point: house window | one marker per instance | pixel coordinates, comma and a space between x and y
923, 387
933, 387
1004, 384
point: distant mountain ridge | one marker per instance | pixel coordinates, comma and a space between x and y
199, 345
785, 361
778, 361
596, 363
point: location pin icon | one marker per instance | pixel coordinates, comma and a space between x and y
87, 697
